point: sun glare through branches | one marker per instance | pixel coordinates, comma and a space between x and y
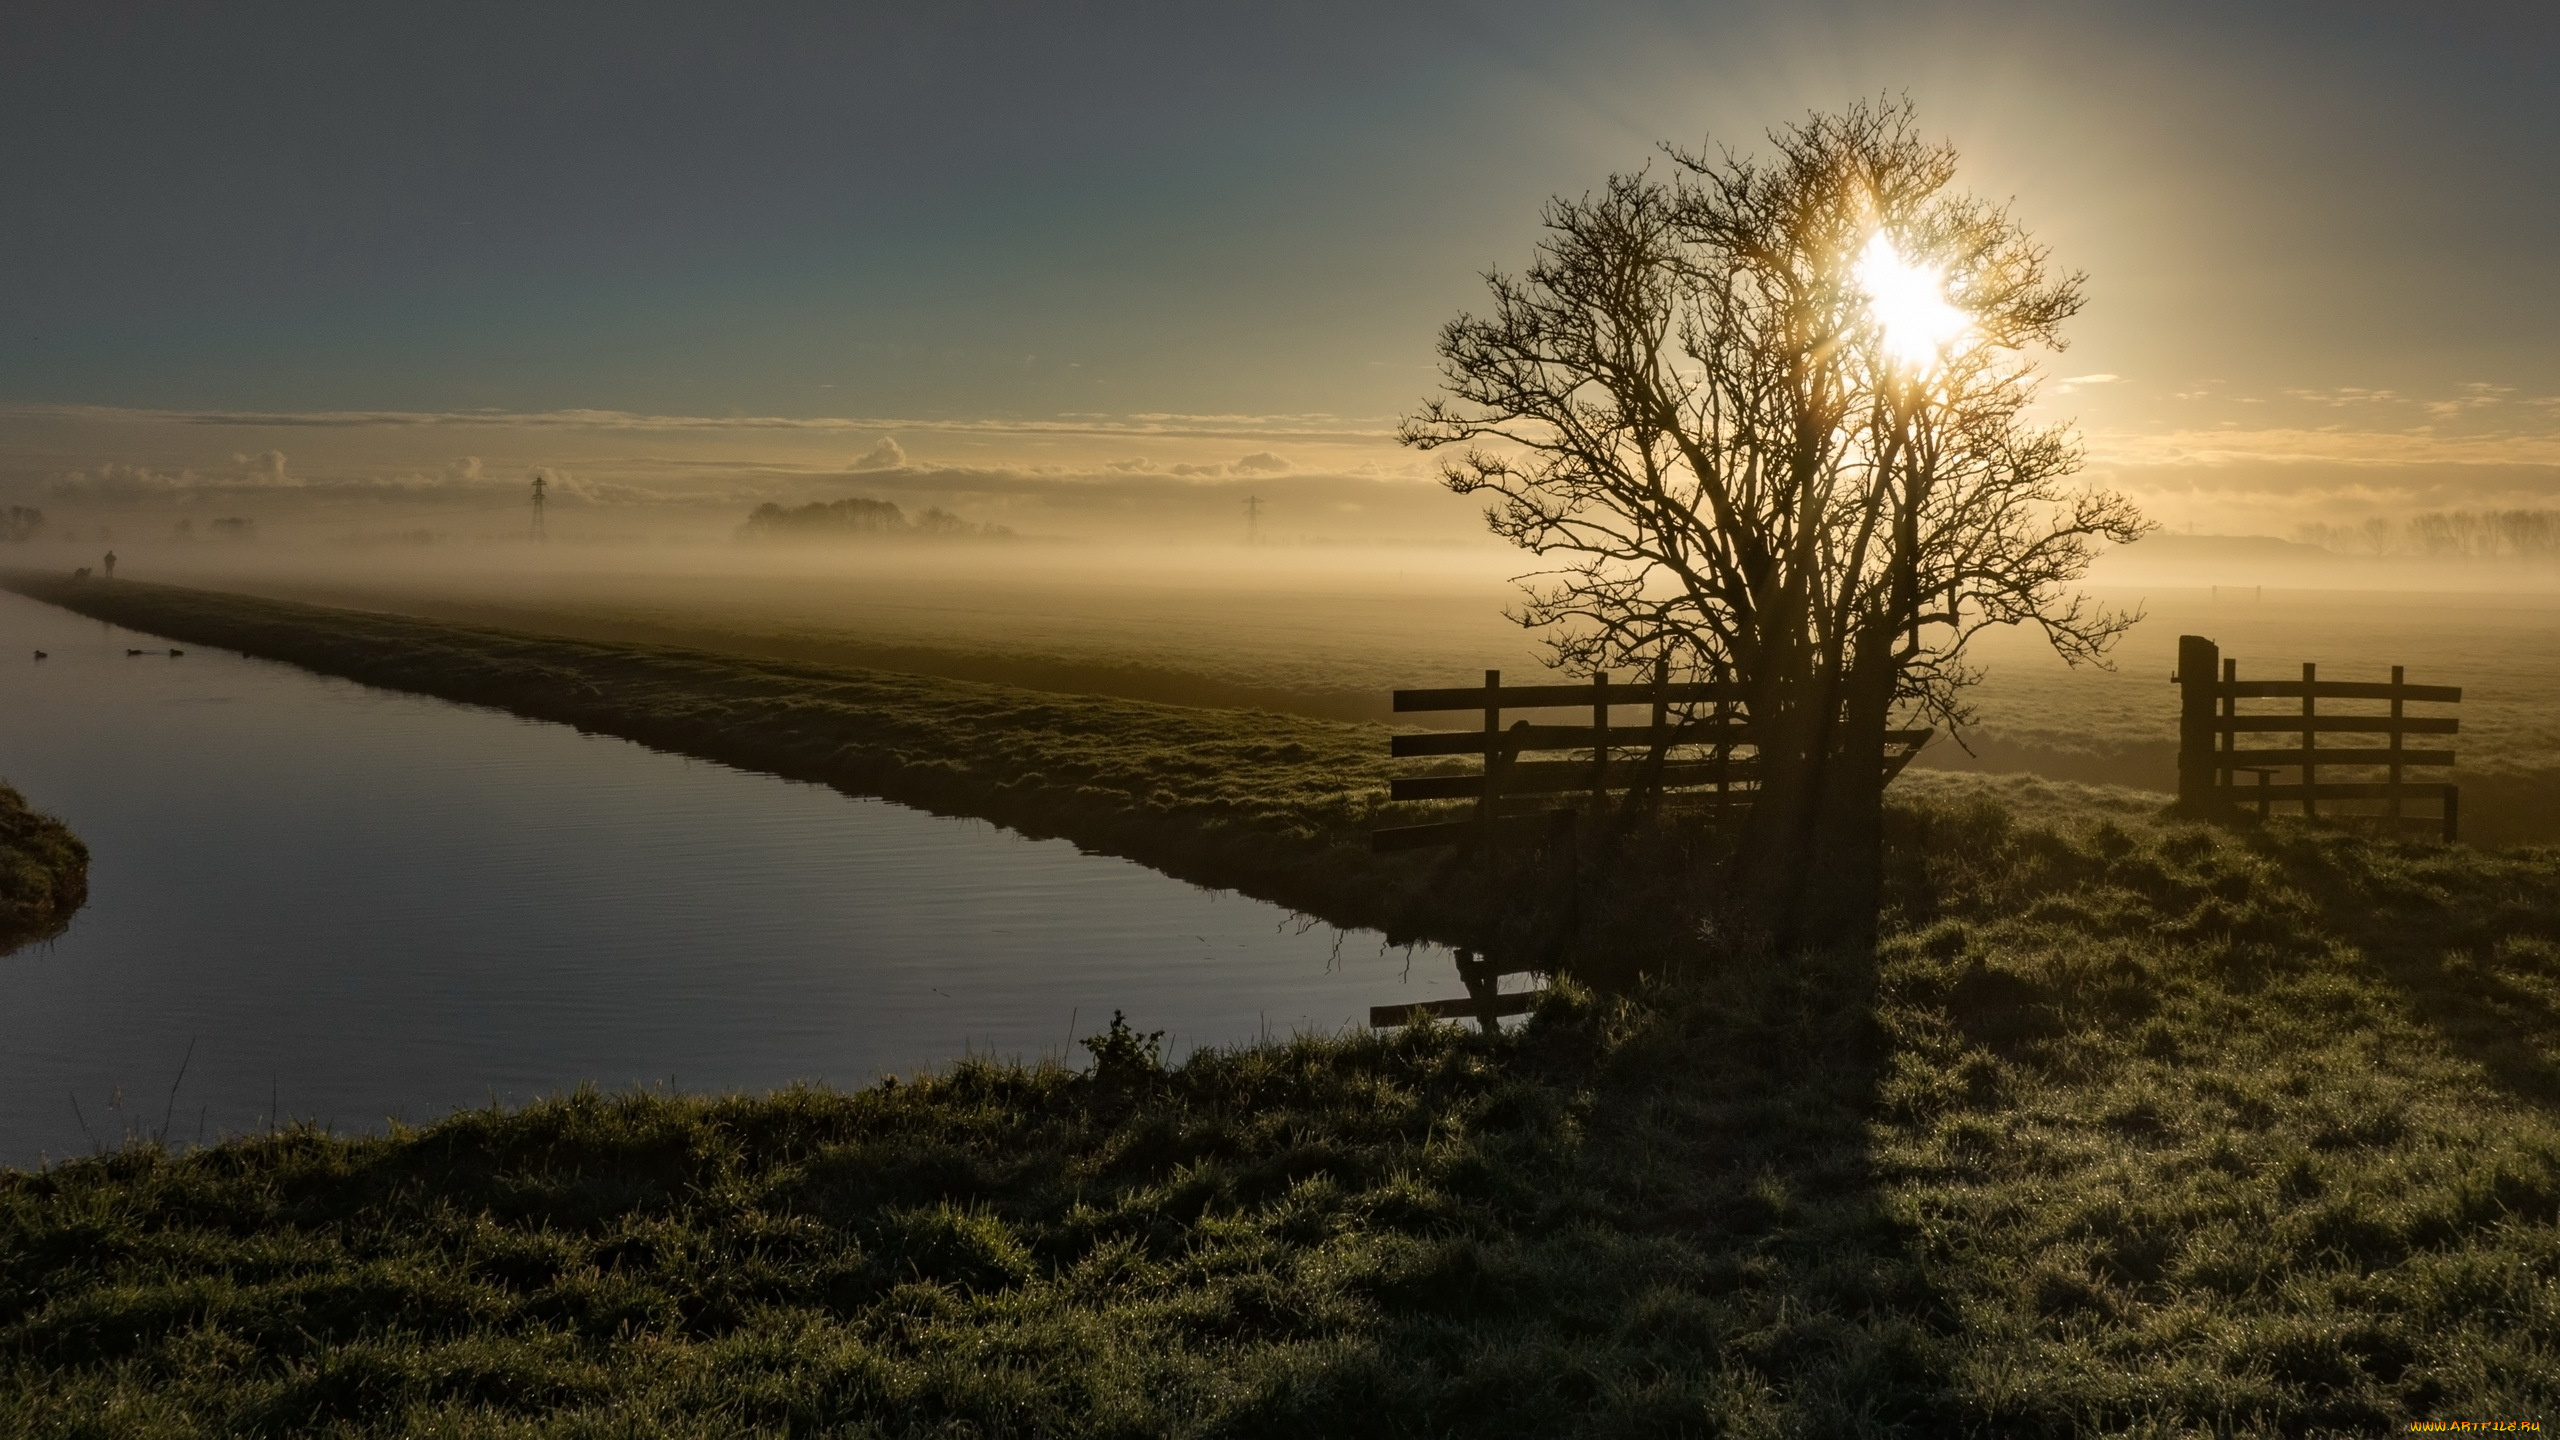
1909, 301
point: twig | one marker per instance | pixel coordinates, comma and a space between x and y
171, 1109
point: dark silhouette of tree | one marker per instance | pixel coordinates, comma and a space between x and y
1766, 415
854, 516
859, 516
20, 522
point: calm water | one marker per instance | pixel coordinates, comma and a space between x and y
352, 905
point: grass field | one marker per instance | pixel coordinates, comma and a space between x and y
44, 872
1326, 636
2129, 1128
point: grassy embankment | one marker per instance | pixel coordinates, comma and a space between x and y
1276, 806
2128, 1128
1323, 645
44, 873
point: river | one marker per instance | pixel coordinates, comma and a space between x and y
310, 899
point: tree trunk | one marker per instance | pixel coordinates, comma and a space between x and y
1845, 883
1778, 848
1809, 866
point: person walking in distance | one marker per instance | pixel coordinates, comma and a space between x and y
111, 564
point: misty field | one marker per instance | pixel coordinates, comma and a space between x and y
1328, 634
1325, 633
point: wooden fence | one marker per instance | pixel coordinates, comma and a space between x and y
1693, 752
2211, 759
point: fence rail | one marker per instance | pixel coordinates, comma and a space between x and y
1555, 697
1524, 736
2339, 690
1664, 752
2211, 758
2326, 755
2356, 724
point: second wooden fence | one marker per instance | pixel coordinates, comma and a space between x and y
2212, 757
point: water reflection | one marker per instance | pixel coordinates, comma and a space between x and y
346, 904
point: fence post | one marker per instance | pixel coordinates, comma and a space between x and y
1600, 737
2199, 661
2310, 741
1724, 742
2397, 680
1492, 754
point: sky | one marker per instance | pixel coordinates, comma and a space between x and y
1047, 261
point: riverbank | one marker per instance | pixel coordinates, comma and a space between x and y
44, 873
1274, 806
2128, 1127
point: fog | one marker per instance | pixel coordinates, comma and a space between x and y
1300, 563
1194, 606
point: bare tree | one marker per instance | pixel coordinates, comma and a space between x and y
1767, 417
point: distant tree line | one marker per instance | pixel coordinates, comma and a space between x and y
2527, 535
20, 522
861, 517
229, 527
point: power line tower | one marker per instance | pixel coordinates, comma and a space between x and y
539, 481
1253, 519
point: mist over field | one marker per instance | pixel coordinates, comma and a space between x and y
1306, 563
1145, 583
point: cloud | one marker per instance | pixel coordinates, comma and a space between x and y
2477, 395
562, 483
2327, 446
114, 481
2071, 384
2345, 395
266, 467
886, 455
1260, 462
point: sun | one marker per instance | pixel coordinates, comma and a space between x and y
1910, 304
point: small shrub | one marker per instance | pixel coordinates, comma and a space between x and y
1122, 1056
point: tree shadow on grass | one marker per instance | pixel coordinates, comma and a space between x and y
1668, 1221
1674, 1220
